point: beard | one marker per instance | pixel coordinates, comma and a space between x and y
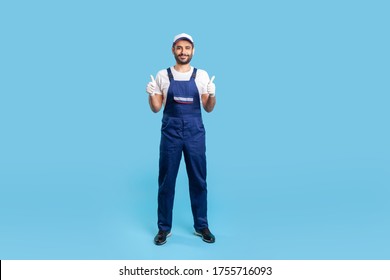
183, 60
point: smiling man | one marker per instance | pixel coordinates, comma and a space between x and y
182, 90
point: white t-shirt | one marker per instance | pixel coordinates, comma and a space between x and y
162, 80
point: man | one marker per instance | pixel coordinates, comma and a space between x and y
182, 89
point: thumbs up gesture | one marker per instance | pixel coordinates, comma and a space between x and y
211, 87
151, 87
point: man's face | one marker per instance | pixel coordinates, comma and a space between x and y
183, 52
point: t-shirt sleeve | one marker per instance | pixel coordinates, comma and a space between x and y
159, 83
202, 79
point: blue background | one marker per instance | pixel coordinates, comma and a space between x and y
297, 146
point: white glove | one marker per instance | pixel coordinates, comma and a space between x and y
150, 88
211, 87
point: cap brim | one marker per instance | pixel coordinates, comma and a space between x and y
183, 38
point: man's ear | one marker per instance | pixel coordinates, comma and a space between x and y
193, 51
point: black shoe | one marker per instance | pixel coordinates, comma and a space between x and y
161, 237
206, 235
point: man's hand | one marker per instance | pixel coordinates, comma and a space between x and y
211, 87
150, 88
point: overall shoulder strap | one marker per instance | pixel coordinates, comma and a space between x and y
193, 76
170, 75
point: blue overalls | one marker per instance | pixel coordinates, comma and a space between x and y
182, 132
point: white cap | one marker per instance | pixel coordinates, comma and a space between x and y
183, 36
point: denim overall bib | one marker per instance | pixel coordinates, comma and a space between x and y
182, 132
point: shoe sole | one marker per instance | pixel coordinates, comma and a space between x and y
159, 244
199, 234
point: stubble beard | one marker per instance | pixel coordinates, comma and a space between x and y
181, 62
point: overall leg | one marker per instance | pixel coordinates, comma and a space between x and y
195, 159
170, 156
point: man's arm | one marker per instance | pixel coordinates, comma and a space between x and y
155, 102
208, 102
208, 99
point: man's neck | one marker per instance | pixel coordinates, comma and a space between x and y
182, 67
